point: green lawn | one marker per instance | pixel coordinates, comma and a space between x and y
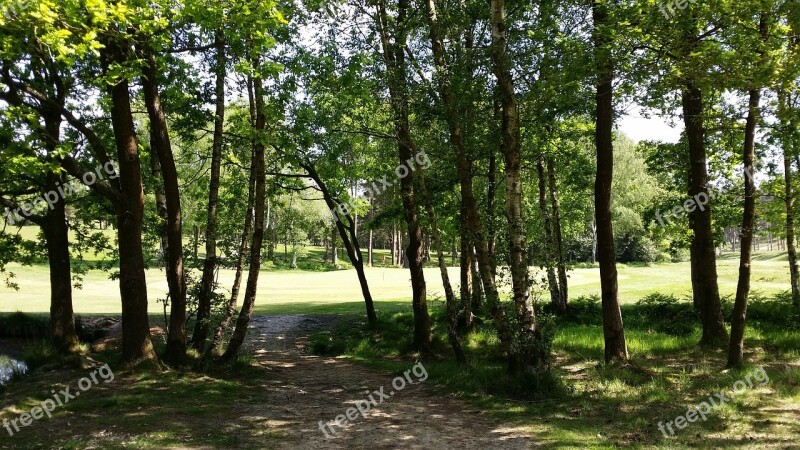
287, 291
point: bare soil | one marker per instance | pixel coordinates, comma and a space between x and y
308, 389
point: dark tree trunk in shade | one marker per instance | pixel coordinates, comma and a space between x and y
613, 330
394, 59
136, 342
703, 253
736, 343
176, 280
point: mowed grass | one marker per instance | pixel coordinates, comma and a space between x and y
338, 291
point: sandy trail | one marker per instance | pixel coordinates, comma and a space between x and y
306, 389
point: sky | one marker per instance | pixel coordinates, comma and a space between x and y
655, 128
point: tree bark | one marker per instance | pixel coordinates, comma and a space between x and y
616, 348
56, 230
222, 328
206, 292
176, 279
136, 342
465, 271
511, 146
240, 332
450, 298
472, 232
394, 59
559, 246
350, 240
789, 144
736, 344
704, 260
549, 244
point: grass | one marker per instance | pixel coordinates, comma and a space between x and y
293, 291
586, 404
581, 404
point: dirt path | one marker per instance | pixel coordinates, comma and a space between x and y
306, 389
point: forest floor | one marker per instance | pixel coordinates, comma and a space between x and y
277, 401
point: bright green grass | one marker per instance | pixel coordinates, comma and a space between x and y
288, 291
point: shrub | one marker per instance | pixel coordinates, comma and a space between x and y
636, 248
665, 314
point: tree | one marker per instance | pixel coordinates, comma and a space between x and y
613, 329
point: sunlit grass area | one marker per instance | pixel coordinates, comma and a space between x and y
295, 291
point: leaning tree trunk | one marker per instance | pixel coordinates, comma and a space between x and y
136, 342
176, 280
240, 332
736, 345
704, 259
394, 59
616, 348
345, 225
206, 292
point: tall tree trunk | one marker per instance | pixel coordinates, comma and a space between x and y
736, 345
511, 145
559, 246
206, 292
790, 235
394, 59
56, 231
136, 342
491, 195
616, 348
222, 328
472, 232
450, 298
789, 144
240, 332
465, 271
549, 244
703, 253
176, 280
